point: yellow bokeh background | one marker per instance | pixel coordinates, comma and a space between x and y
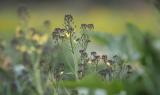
104, 19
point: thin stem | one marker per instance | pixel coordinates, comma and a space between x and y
74, 58
38, 77
75, 66
71, 43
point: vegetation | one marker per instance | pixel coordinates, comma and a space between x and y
61, 62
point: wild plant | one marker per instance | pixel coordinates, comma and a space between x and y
42, 60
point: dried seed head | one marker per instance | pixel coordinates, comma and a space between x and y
110, 62
57, 30
117, 59
87, 26
58, 33
93, 53
68, 18
62, 30
84, 26
104, 56
90, 26
81, 51
97, 56
85, 54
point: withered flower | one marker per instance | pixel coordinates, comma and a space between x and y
97, 57
81, 51
84, 26
87, 26
58, 34
110, 62
93, 53
104, 58
68, 18
90, 26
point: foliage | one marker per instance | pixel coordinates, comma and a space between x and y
41, 62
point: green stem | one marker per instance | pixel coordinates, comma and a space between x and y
71, 43
38, 78
75, 66
74, 58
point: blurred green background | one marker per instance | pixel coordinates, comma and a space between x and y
107, 15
